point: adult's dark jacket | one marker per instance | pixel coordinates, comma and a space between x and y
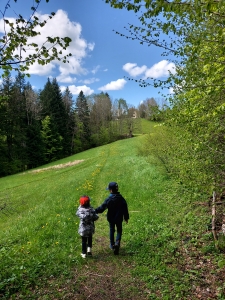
117, 208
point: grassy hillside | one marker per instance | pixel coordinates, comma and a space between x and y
40, 247
143, 126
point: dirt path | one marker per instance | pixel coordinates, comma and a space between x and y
109, 277
103, 276
106, 276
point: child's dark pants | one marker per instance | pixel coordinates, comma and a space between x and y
112, 231
86, 242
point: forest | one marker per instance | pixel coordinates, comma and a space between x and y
38, 127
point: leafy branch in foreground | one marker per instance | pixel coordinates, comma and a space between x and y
170, 25
18, 49
193, 33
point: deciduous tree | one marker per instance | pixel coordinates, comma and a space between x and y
194, 32
19, 36
100, 119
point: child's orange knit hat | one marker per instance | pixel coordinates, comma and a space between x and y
84, 200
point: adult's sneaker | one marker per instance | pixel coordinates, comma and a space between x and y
116, 249
83, 255
111, 247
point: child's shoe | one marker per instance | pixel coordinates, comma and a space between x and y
83, 255
89, 253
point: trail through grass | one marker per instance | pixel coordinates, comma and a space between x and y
40, 247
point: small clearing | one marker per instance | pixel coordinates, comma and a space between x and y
60, 166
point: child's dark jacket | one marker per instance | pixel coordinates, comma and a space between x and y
117, 208
87, 217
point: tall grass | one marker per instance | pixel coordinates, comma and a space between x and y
38, 227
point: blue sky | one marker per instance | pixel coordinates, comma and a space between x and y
101, 60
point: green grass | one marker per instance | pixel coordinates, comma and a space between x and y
145, 127
39, 242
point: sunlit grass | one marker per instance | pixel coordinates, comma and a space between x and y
38, 228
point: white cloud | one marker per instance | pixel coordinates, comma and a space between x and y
133, 69
171, 90
61, 26
66, 79
95, 70
113, 85
75, 90
4, 26
90, 80
91, 46
161, 69
73, 67
42, 70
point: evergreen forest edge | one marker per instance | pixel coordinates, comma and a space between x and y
39, 127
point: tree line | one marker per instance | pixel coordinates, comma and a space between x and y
40, 127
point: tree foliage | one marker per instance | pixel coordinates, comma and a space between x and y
149, 109
19, 36
192, 33
83, 120
100, 119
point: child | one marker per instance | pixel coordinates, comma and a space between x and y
87, 216
117, 212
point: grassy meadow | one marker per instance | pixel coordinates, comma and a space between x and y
40, 247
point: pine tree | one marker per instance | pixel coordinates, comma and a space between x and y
5, 127
35, 145
70, 121
19, 104
58, 110
13, 142
33, 107
51, 139
83, 121
53, 106
45, 99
